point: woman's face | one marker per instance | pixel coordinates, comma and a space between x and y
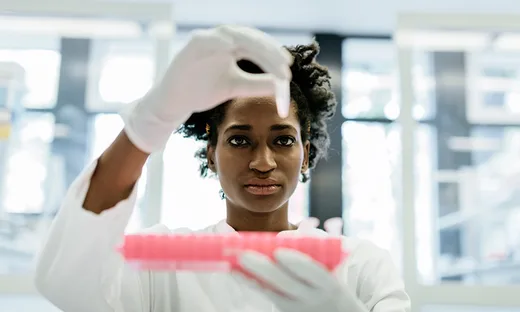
259, 156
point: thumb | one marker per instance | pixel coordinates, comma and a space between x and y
248, 85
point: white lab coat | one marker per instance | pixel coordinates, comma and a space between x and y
79, 269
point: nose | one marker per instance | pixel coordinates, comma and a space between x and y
263, 159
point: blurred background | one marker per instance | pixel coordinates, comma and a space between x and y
425, 146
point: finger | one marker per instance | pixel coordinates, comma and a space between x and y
266, 271
256, 47
304, 268
283, 98
276, 298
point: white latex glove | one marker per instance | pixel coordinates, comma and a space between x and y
203, 75
295, 282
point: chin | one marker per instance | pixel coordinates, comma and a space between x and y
259, 204
263, 204
262, 209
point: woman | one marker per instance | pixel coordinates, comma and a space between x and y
258, 148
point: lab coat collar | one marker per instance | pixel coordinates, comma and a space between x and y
223, 227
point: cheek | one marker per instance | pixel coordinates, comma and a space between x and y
292, 162
229, 162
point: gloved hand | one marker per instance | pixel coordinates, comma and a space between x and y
295, 282
203, 75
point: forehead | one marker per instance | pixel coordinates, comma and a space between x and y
257, 110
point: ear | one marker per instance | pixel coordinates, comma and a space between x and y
210, 156
306, 149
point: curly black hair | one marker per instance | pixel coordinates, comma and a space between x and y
310, 90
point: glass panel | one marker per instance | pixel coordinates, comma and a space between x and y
42, 69
193, 202
494, 98
27, 201
480, 241
372, 185
35, 175
109, 84
425, 200
474, 197
44, 153
370, 158
370, 84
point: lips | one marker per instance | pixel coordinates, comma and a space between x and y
262, 187
263, 190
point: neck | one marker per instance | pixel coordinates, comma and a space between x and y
244, 220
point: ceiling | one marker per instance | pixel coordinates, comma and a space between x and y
354, 17
343, 16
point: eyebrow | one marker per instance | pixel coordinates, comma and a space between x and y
277, 127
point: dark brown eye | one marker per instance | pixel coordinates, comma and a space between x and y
238, 141
285, 141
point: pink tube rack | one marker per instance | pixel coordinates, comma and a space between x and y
218, 252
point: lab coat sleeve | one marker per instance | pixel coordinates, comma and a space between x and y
381, 287
79, 269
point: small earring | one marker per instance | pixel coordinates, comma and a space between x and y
207, 129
